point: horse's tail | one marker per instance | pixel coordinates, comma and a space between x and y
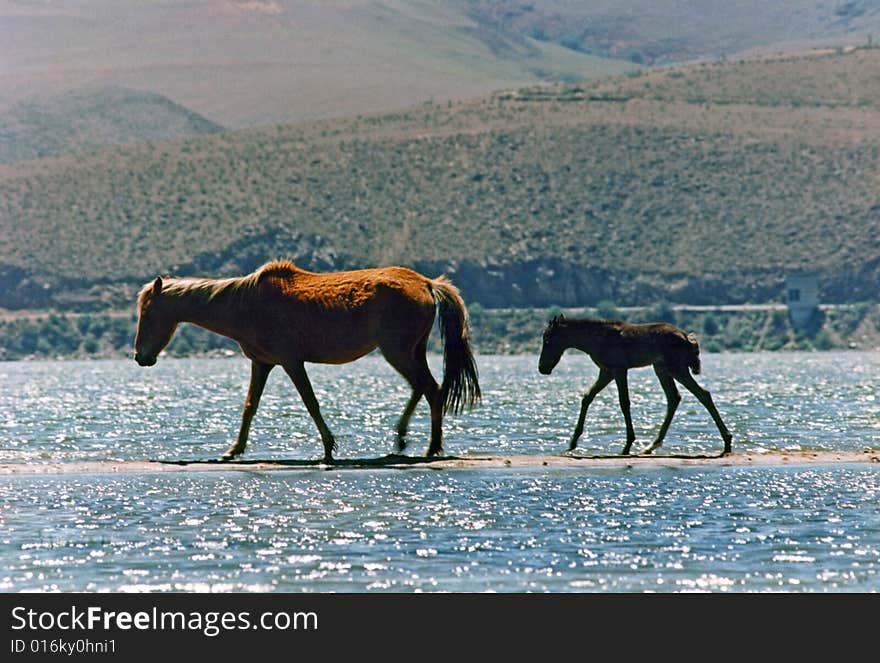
460, 388
694, 359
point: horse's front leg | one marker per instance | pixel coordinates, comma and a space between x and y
623, 395
601, 382
259, 375
297, 373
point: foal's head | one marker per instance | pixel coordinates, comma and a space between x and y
553, 346
156, 325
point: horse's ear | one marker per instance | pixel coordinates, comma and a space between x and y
157, 286
561, 317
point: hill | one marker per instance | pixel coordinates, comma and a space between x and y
704, 184
246, 63
90, 119
666, 31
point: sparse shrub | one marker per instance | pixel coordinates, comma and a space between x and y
607, 310
90, 345
823, 341
709, 325
711, 346
662, 311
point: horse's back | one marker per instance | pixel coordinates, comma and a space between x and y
650, 343
335, 317
347, 290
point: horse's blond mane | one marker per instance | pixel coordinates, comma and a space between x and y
277, 267
205, 289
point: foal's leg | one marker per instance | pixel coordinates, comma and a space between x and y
297, 373
673, 398
705, 398
605, 377
259, 374
623, 395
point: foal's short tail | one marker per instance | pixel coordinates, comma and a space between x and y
460, 388
694, 359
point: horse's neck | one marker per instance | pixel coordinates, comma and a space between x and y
587, 337
221, 312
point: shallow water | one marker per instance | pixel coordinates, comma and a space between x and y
813, 528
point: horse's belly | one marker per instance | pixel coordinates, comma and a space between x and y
337, 355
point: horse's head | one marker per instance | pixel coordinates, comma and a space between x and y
156, 325
552, 347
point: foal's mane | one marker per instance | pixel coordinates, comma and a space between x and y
582, 323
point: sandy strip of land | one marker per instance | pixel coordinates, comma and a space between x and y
397, 462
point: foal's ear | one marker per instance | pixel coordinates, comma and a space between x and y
157, 286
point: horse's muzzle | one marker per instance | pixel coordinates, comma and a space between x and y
144, 361
545, 370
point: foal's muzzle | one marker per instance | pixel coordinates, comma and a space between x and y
545, 370
144, 361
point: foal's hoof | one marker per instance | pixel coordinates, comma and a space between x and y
229, 455
647, 451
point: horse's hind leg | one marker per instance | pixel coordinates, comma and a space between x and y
684, 376
259, 374
297, 373
673, 398
403, 422
413, 366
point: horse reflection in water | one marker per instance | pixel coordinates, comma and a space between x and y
287, 316
615, 347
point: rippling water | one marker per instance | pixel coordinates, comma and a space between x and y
811, 528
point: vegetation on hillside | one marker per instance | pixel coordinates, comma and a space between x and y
634, 190
92, 119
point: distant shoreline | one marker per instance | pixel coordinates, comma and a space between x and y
109, 334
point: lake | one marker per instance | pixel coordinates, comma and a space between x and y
625, 529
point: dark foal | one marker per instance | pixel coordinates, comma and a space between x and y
616, 347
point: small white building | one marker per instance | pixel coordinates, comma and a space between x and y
802, 298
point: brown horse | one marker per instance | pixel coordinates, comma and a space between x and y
281, 314
615, 347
